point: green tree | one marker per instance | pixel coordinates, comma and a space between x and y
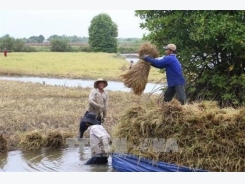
15, 45
54, 37
19, 45
102, 34
60, 45
41, 39
36, 39
7, 42
210, 46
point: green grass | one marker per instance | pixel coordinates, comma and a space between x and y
69, 65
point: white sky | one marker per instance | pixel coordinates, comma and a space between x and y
26, 23
19, 22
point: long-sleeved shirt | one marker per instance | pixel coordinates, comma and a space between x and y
99, 141
173, 67
98, 100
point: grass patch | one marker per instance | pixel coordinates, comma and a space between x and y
69, 65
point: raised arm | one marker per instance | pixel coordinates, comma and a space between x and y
158, 63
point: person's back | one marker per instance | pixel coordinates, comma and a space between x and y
99, 141
174, 74
174, 71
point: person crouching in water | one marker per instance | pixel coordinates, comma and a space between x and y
99, 140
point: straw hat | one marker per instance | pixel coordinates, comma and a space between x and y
100, 80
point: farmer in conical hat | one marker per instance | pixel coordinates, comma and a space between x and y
98, 104
98, 100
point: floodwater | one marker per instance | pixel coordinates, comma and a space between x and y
65, 160
112, 85
131, 57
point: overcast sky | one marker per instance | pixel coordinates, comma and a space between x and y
26, 23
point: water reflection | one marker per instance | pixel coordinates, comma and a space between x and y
64, 160
3, 159
114, 85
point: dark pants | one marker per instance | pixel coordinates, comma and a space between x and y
97, 160
83, 127
178, 90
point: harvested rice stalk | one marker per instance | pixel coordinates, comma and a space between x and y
3, 144
54, 140
137, 77
32, 141
207, 137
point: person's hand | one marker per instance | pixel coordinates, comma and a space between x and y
102, 108
103, 120
143, 57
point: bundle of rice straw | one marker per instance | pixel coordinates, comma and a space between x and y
55, 140
31, 141
137, 77
3, 144
207, 136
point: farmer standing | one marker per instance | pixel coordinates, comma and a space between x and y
98, 104
98, 100
174, 74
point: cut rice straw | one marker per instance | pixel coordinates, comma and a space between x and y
206, 137
137, 77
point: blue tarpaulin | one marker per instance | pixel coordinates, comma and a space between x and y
131, 163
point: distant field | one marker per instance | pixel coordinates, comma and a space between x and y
69, 65
46, 48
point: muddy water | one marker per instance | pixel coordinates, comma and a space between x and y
66, 160
112, 85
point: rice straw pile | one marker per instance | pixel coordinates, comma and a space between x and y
137, 77
3, 144
32, 141
55, 140
207, 137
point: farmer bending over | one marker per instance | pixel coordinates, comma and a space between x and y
175, 78
99, 140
